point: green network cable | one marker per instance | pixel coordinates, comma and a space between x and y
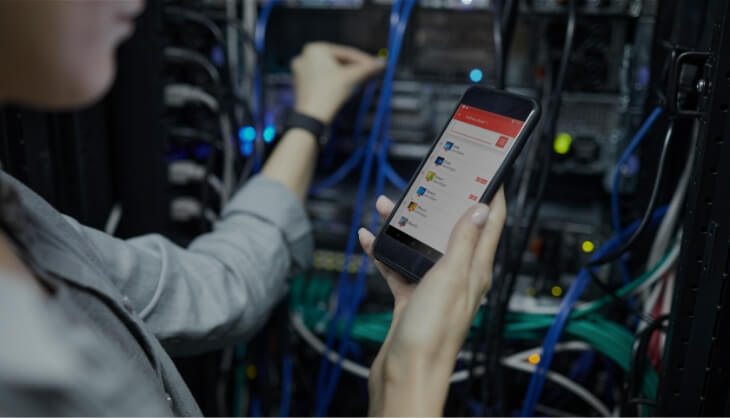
309, 298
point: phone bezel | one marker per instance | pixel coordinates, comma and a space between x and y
413, 264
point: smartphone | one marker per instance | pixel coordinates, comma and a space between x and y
465, 165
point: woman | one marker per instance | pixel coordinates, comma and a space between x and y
87, 321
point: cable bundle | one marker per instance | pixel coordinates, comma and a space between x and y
349, 295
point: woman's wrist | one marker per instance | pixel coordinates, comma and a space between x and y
415, 385
319, 112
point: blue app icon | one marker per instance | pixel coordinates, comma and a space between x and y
439, 160
448, 145
421, 190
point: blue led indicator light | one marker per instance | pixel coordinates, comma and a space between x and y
269, 133
247, 133
476, 75
247, 148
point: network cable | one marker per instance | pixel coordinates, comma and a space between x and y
198, 18
325, 386
502, 28
259, 93
356, 157
538, 378
638, 363
286, 379
506, 289
188, 55
579, 285
654, 197
616, 341
359, 287
635, 142
615, 215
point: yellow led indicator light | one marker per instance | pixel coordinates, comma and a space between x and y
562, 143
383, 52
251, 372
588, 246
556, 291
534, 359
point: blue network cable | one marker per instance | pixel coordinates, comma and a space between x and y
344, 290
383, 163
356, 157
359, 288
286, 378
615, 215
393, 177
259, 42
635, 142
349, 297
576, 289
255, 407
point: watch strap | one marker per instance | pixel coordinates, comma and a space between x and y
312, 125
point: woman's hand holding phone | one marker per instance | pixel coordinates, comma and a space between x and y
410, 375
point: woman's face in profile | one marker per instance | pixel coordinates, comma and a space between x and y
60, 53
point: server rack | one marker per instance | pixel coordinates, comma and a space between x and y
694, 378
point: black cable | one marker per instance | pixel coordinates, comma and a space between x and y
227, 101
257, 65
623, 303
192, 134
499, 49
653, 200
496, 333
245, 36
184, 55
509, 19
205, 225
500, 60
638, 363
198, 18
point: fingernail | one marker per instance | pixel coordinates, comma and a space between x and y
479, 217
361, 234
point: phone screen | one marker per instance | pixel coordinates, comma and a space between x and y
454, 177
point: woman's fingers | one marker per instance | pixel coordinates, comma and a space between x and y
399, 286
483, 261
384, 206
464, 237
367, 239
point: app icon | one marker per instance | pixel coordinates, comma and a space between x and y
448, 145
402, 221
439, 160
421, 191
430, 175
412, 206
502, 141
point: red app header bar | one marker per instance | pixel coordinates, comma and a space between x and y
488, 120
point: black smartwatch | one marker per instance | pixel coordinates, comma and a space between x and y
294, 119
